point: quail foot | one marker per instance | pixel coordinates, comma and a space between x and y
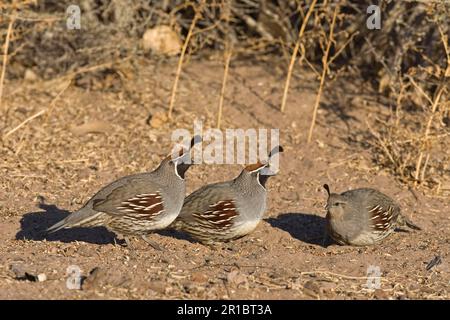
362, 217
228, 210
138, 204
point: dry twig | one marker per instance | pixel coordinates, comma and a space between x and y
294, 54
228, 55
198, 14
427, 132
5, 58
325, 64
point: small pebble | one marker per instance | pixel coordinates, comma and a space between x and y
41, 277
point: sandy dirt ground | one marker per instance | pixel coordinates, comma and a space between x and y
50, 166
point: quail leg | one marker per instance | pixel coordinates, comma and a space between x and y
153, 244
118, 241
128, 242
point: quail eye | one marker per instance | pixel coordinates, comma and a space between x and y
336, 204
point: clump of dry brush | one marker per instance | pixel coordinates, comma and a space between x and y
407, 61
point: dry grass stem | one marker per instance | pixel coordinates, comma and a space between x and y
38, 114
228, 55
198, 14
53, 102
343, 276
427, 132
325, 64
294, 55
5, 59
382, 144
444, 39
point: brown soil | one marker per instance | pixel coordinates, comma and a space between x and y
283, 259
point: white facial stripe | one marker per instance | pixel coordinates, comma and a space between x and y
176, 171
258, 169
174, 159
257, 179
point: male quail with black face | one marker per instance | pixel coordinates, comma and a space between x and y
228, 210
137, 204
362, 217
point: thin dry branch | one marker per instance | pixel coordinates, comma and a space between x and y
444, 39
198, 14
427, 132
419, 88
38, 114
49, 84
294, 55
52, 104
339, 51
343, 276
325, 64
228, 55
382, 144
5, 58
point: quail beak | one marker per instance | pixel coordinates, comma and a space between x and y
267, 170
271, 170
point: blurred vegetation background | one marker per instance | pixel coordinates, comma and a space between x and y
406, 62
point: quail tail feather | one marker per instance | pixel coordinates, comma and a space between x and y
80, 218
57, 226
404, 221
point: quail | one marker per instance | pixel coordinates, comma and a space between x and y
137, 204
228, 210
362, 217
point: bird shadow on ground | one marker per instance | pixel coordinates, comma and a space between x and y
305, 227
34, 224
180, 235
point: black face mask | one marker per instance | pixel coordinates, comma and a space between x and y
182, 168
263, 179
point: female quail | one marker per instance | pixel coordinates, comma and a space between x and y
137, 204
228, 210
362, 217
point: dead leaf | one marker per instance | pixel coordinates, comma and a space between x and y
91, 127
